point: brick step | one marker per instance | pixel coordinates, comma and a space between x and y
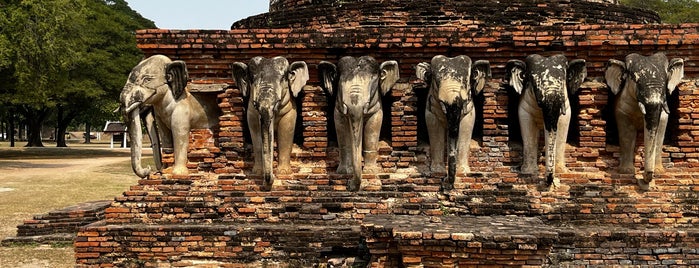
59, 225
228, 243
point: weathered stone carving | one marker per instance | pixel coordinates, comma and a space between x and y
545, 85
271, 85
642, 85
156, 92
450, 113
357, 85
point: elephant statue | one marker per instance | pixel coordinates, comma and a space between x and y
156, 92
449, 112
271, 86
357, 85
642, 85
545, 84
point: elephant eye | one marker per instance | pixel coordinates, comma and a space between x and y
147, 79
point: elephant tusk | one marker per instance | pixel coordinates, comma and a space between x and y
132, 107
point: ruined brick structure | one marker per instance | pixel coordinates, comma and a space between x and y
219, 215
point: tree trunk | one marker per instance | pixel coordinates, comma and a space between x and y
21, 126
11, 126
35, 120
87, 132
63, 123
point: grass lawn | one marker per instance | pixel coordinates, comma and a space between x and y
38, 180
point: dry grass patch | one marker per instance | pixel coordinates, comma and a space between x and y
38, 180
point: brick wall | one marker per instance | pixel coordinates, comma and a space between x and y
221, 195
381, 13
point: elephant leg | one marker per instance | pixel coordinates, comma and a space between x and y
256, 136
627, 144
436, 131
180, 137
165, 135
530, 142
285, 139
372, 130
344, 141
561, 138
464, 143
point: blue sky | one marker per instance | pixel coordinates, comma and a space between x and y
199, 14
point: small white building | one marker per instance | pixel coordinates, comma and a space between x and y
118, 131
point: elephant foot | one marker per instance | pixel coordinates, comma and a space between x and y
344, 169
463, 170
438, 168
562, 169
257, 170
529, 169
372, 169
180, 170
626, 170
284, 170
659, 169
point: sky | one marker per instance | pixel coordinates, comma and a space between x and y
199, 14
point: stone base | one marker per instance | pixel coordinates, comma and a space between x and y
218, 245
513, 241
451, 241
59, 225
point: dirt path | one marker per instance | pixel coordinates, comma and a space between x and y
47, 167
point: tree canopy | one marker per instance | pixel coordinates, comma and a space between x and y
66, 57
670, 11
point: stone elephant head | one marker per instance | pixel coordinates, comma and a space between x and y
156, 91
450, 115
357, 84
545, 84
271, 86
642, 85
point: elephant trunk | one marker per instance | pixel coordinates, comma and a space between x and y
454, 113
553, 105
550, 141
267, 127
356, 123
654, 134
136, 137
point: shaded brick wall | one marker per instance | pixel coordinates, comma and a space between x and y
380, 13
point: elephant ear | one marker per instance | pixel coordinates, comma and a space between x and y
328, 76
615, 75
576, 74
389, 75
240, 75
480, 73
177, 76
423, 71
675, 73
514, 74
298, 76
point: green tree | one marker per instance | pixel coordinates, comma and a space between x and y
670, 11
112, 52
46, 41
69, 57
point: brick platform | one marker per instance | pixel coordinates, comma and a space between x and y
59, 225
220, 216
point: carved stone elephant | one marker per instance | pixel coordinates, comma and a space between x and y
271, 85
642, 85
449, 112
357, 85
156, 92
545, 85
